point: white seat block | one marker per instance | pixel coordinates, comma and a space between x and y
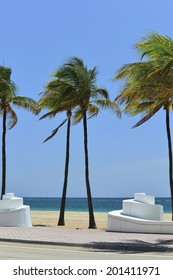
19, 217
142, 197
139, 215
13, 213
122, 223
143, 210
12, 203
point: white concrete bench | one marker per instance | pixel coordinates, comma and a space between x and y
121, 223
139, 215
13, 212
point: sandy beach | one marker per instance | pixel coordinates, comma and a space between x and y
75, 220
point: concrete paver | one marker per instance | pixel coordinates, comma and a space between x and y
88, 238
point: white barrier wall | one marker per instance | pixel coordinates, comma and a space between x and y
121, 223
10, 203
143, 207
145, 198
142, 210
139, 215
13, 213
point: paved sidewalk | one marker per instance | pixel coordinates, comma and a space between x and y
88, 238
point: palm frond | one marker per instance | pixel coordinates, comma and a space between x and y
92, 111
125, 70
75, 61
49, 101
155, 46
11, 117
26, 103
54, 132
49, 114
99, 92
7, 86
93, 75
110, 105
77, 116
147, 116
163, 70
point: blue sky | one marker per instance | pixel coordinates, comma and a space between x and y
36, 38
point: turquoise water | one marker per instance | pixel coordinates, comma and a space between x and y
80, 204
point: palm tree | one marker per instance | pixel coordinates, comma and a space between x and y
148, 85
8, 97
56, 99
85, 94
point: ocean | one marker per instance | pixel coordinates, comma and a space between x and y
80, 204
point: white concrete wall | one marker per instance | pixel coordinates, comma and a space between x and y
142, 197
12, 203
120, 223
13, 212
139, 215
19, 217
142, 210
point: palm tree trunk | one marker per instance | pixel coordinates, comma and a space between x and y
92, 223
4, 154
61, 221
170, 157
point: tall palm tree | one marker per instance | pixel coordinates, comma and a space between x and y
85, 95
56, 99
8, 97
148, 85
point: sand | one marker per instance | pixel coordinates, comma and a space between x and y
75, 220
